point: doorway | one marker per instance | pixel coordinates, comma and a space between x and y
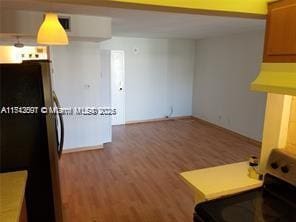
118, 86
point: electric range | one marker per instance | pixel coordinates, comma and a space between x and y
274, 201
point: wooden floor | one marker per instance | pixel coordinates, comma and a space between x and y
136, 177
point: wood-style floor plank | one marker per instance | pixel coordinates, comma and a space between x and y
136, 177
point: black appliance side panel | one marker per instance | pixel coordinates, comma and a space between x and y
23, 137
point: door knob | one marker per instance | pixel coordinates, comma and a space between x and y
285, 169
274, 165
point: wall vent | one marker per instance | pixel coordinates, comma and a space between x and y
65, 22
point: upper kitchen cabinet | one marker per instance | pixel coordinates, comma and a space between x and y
280, 39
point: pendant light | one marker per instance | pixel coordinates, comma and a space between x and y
51, 32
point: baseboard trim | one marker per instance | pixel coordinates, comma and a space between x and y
245, 138
157, 120
82, 149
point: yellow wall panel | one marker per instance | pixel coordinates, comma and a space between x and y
243, 6
291, 139
293, 110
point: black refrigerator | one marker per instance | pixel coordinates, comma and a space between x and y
32, 141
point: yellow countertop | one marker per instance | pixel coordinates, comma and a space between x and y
215, 182
12, 192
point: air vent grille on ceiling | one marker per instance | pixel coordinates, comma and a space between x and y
65, 22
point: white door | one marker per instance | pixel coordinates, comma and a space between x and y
118, 86
105, 134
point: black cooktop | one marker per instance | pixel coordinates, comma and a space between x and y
274, 202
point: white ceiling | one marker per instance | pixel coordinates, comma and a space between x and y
150, 24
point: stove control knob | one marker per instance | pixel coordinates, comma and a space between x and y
274, 165
285, 169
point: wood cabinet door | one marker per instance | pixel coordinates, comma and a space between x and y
280, 40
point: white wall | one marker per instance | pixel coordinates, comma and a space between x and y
79, 80
161, 75
225, 67
158, 76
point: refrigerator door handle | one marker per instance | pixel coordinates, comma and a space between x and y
61, 141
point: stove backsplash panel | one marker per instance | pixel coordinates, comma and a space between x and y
291, 139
